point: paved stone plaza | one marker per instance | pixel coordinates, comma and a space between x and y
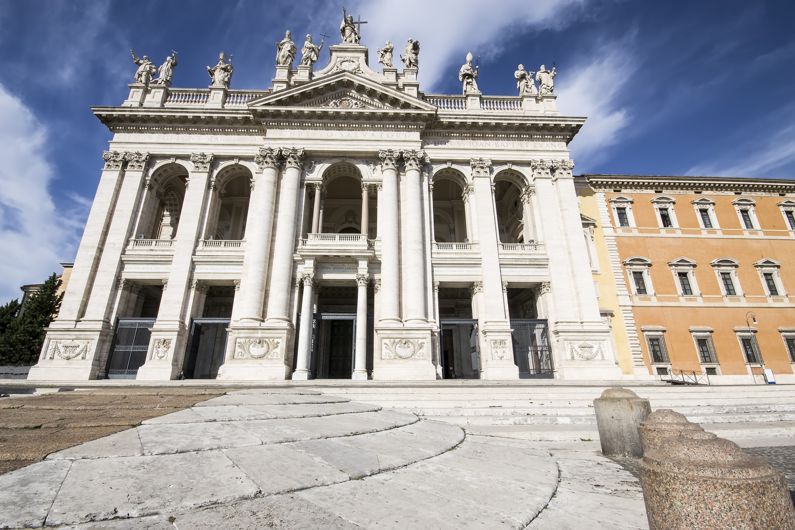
292, 458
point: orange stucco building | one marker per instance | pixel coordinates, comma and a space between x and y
707, 267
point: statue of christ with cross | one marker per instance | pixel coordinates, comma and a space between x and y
351, 30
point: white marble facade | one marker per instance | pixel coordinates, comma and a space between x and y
345, 192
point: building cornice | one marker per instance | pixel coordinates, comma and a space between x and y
666, 183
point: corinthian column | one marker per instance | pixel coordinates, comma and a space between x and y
303, 352
414, 294
360, 357
284, 246
390, 253
259, 226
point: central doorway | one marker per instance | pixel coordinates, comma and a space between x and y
207, 348
334, 345
459, 357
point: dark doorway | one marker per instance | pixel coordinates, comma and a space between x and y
207, 348
459, 349
334, 346
137, 312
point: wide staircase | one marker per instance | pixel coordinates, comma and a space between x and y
747, 414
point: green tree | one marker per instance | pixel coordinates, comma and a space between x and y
23, 336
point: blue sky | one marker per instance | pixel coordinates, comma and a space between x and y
675, 87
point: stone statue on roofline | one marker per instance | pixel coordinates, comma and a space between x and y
524, 82
166, 70
221, 73
310, 52
411, 54
285, 50
348, 31
468, 75
546, 80
385, 55
146, 69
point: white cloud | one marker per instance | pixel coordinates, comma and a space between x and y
764, 156
34, 234
447, 29
594, 90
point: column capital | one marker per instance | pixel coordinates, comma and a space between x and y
562, 168
542, 169
388, 158
267, 157
362, 279
113, 159
477, 287
414, 159
481, 167
308, 279
365, 187
527, 194
136, 160
201, 161
293, 157
546, 288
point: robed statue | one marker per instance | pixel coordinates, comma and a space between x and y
385, 55
166, 70
468, 75
285, 50
310, 52
348, 31
546, 80
146, 69
524, 82
411, 54
221, 73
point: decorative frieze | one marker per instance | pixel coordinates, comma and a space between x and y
257, 348
562, 168
201, 161
136, 161
113, 159
541, 168
403, 349
267, 157
68, 349
481, 167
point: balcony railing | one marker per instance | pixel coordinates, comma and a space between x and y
447, 102
151, 243
501, 103
187, 97
336, 241
520, 248
489, 103
455, 247
221, 244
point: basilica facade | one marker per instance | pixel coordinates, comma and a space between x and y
340, 224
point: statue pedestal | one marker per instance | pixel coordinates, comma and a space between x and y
390, 77
408, 82
283, 78
473, 99
137, 95
549, 104
532, 104
217, 97
303, 75
156, 96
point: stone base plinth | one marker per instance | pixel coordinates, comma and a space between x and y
359, 376
584, 352
619, 413
165, 354
156, 96
403, 354
217, 98
496, 353
258, 354
73, 355
137, 95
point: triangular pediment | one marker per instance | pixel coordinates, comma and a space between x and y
342, 91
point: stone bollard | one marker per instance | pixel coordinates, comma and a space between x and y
696, 480
662, 425
619, 413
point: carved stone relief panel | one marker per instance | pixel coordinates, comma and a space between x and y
404, 349
68, 349
257, 348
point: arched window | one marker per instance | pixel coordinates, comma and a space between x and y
449, 208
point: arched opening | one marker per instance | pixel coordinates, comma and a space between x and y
449, 210
229, 205
161, 212
514, 221
341, 209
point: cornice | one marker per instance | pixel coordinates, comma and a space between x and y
667, 183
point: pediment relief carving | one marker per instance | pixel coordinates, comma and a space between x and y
346, 99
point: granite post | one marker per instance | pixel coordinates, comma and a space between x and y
619, 413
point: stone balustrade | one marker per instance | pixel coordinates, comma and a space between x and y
151, 243
455, 247
521, 248
221, 244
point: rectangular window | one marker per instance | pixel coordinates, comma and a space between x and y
790, 215
770, 283
706, 350
790, 342
750, 349
684, 283
657, 349
748, 223
728, 284
665, 218
706, 220
623, 219
640, 282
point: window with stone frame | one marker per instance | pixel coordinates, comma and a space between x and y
750, 348
657, 349
705, 348
684, 283
726, 271
768, 270
638, 269
746, 213
640, 282
623, 219
789, 343
684, 275
666, 214
622, 212
705, 211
